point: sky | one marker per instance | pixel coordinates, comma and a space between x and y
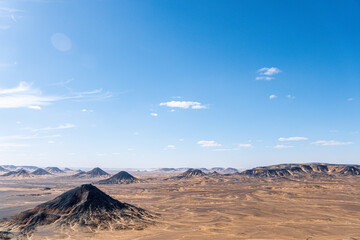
148, 84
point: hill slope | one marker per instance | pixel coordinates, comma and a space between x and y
84, 206
120, 178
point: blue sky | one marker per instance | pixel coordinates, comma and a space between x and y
179, 83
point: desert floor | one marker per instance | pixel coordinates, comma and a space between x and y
225, 207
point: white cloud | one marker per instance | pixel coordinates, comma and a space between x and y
350, 99
172, 147
269, 71
63, 126
22, 87
283, 146
183, 104
35, 107
264, 78
282, 139
273, 96
204, 143
87, 110
25, 96
154, 114
289, 96
51, 142
331, 143
245, 145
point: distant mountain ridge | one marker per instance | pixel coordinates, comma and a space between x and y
19, 173
284, 170
54, 170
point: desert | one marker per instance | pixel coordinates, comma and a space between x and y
310, 201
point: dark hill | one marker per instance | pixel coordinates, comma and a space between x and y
120, 178
84, 206
96, 172
40, 171
192, 173
54, 170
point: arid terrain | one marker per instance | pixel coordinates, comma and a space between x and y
213, 206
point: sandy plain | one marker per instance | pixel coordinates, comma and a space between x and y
217, 207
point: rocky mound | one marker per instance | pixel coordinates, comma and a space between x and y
96, 172
312, 169
40, 172
68, 170
54, 170
120, 178
84, 206
19, 174
192, 173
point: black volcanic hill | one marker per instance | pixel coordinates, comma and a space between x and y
19, 173
311, 169
120, 178
192, 173
84, 206
96, 172
54, 170
40, 171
